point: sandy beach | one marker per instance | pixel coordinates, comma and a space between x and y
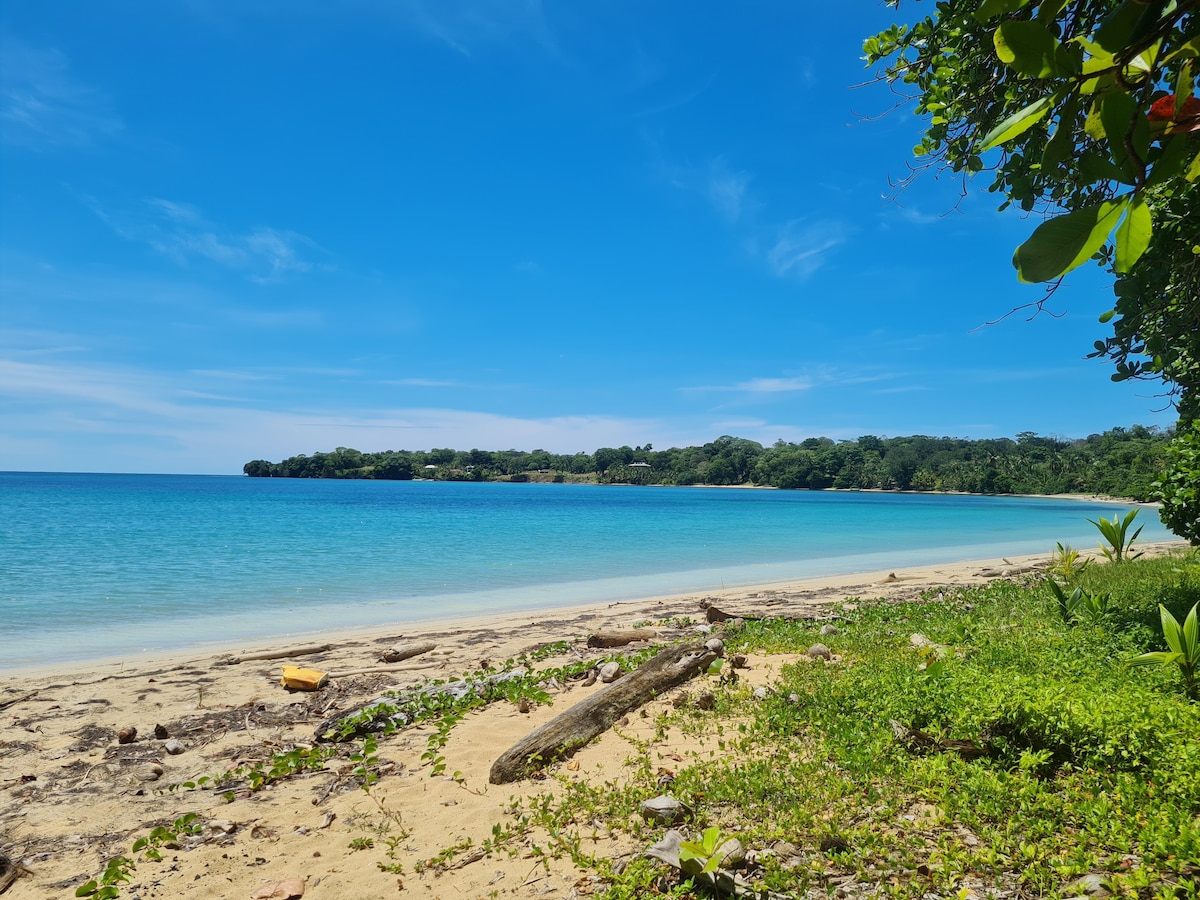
72, 795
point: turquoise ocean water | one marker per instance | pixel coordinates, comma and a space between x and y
106, 565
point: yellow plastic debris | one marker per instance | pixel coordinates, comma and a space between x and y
303, 679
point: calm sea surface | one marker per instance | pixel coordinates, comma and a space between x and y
103, 565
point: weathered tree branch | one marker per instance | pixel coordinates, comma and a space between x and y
589, 718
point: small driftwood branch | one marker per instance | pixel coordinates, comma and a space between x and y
372, 670
10, 871
406, 651
621, 637
566, 733
918, 742
1008, 571
715, 614
273, 654
13, 701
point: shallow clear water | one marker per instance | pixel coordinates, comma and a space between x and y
101, 565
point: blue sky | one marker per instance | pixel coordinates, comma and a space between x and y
238, 231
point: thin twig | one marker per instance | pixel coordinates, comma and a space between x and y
15, 700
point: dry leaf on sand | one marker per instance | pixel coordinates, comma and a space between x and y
288, 889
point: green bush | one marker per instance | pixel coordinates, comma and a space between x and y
1179, 487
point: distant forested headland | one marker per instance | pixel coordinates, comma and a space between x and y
1121, 462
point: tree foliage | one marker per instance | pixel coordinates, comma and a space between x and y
1179, 488
1123, 462
1088, 103
1085, 113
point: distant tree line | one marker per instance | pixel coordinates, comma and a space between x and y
1121, 462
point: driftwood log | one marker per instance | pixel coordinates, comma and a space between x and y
406, 651
273, 654
566, 733
621, 637
714, 614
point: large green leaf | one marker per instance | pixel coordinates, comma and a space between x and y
1172, 630
1068, 59
1154, 658
1048, 10
1150, 20
1183, 86
1028, 47
1191, 634
1097, 60
1016, 124
1124, 123
1189, 50
1097, 67
1061, 146
1092, 126
1094, 166
1065, 242
1193, 171
1113, 33
1133, 234
1172, 160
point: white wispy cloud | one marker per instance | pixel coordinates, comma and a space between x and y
181, 232
421, 382
36, 342
766, 389
725, 426
233, 375
726, 190
466, 25
773, 385
675, 101
83, 417
44, 107
37, 289
767, 433
795, 249
208, 395
106, 389
912, 215
178, 212
802, 247
321, 371
908, 389
100, 417
764, 386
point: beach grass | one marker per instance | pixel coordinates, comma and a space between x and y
1079, 766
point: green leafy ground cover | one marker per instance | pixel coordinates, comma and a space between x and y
1051, 750
1090, 766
